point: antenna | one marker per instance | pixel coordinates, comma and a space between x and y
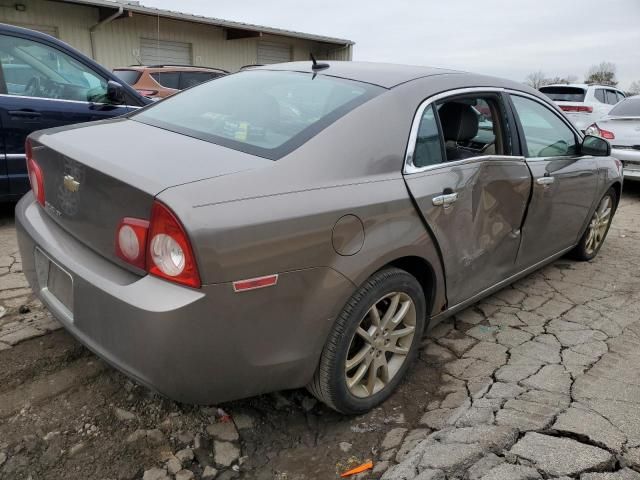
316, 65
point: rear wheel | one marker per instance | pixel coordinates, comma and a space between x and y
372, 344
596, 232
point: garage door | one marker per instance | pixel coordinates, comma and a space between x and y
269, 52
163, 52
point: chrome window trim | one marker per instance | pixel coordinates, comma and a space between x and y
66, 101
13, 156
409, 168
469, 161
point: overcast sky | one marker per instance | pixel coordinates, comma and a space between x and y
508, 38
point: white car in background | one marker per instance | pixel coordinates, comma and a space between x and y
583, 103
621, 127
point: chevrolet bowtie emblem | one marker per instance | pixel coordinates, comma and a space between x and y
71, 183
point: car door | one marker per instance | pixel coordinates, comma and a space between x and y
564, 181
44, 87
474, 206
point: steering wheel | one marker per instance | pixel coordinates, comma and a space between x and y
33, 86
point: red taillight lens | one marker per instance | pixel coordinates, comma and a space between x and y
131, 241
169, 252
576, 108
35, 174
607, 134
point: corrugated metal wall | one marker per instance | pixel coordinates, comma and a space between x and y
118, 44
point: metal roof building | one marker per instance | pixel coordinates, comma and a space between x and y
120, 33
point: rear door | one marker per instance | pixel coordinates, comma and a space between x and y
472, 190
564, 181
44, 87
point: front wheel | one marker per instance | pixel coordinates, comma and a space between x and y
596, 232
372, 344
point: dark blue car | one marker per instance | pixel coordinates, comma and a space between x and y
46, 83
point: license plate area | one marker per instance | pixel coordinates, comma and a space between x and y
56, 284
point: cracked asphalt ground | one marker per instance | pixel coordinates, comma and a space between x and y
541, 380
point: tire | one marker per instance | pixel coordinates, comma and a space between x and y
380, 291
594, 236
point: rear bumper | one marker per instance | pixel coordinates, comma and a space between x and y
197, 346
631, 162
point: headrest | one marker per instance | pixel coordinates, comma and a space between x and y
459, 121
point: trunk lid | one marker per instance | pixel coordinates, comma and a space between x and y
625, 129
97, 174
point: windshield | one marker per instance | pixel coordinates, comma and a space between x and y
564, 94
264, 113
627, 108
128, 76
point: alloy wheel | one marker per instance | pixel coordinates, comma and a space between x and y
599, 224
381, 344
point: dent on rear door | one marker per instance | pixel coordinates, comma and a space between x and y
479, 234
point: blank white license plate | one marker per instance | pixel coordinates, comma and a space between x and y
55, 282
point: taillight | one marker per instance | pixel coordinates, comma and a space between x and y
131, 241
35, 174
160, 246
576, 108
169, 252
594, 129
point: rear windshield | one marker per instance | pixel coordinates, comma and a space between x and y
128, 76
627, 108
564, 94
264, 113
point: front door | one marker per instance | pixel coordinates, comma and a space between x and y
471, 190
43, 87
564, 181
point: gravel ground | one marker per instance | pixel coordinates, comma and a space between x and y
538, 381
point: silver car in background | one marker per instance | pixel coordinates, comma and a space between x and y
621, 127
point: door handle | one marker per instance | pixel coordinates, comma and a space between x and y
545, 180
24, 113
444, 200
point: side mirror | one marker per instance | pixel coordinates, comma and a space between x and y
115, 93
595, 146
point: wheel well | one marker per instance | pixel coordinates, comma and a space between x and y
422, 270
617, 186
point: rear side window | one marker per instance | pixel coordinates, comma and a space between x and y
600, 95
612, 98
546, 135
627, 108
167, 79
191, 79
128, 76
564, 94
264, 113
428, 149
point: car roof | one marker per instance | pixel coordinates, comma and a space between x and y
175, 68
386, 75
390, 75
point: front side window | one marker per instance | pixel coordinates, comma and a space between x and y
546, 135
33, 69
264, 113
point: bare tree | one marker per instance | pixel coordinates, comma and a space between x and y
634, 88
604, 73
536, 79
